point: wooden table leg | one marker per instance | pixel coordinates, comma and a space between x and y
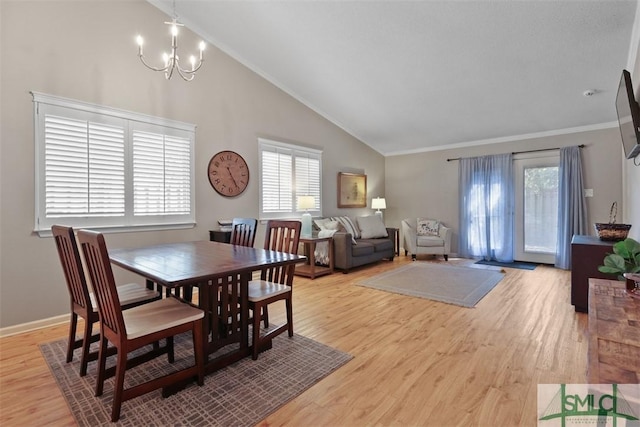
203, 303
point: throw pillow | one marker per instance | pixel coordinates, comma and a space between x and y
327, 224
371, 227
428, 227
349, 227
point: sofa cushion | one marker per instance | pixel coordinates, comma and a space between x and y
428, 227
371, 227
429, 241
379, 245
363, 248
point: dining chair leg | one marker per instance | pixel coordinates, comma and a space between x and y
86, 343
289, 305
72, 336
265, 316
102, 361
256, 332
121, 367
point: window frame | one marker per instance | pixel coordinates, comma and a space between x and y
131, 121
296, 151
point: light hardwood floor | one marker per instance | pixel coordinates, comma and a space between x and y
416, 361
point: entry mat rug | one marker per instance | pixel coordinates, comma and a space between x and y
242, 394
454, 285
515, 264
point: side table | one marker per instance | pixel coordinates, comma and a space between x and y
396, 239
310, 269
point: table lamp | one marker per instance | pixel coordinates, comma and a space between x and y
378, 203
306, 203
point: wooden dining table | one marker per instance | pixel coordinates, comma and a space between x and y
221, 272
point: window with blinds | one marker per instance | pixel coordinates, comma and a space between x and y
106, 168
286, 172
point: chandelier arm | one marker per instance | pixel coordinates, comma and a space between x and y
151, 67
184, 71
186, 75
170, 68
196, 68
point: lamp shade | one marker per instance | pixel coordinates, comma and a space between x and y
306, 202
378, 203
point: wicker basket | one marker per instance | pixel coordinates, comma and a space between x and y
611, 231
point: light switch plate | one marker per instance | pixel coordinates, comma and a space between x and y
588, 192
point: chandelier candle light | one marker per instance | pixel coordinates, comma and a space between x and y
306, 203
172, 61
378, 203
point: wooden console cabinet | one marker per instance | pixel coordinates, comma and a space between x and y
220, 236
587, 253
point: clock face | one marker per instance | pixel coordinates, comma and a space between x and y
228, 173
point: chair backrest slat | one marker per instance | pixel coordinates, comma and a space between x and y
96, 256
72, 266
281, 236
243, 231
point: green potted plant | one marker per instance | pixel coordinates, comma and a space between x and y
624, 262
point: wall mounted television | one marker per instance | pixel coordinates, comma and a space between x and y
628, 116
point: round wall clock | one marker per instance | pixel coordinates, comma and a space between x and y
228, 173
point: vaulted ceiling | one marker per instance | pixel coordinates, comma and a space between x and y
410, 76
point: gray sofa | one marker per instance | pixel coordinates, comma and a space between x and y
374, 241
365, 251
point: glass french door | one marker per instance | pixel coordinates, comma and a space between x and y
536, 210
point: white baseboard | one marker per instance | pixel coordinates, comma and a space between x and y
32, 326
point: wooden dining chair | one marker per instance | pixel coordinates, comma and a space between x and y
83, 302
131, 329
275, 283
243, 231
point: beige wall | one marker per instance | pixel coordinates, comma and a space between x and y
86, 50
427, 185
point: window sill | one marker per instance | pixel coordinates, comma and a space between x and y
126, 229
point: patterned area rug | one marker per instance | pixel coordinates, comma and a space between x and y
239, 395
454, 285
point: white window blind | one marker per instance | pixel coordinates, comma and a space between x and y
106, 168
84, 168
288, 171
308, 176
161, 174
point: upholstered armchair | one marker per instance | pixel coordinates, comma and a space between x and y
426, 236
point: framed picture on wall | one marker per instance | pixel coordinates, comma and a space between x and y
352, 190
